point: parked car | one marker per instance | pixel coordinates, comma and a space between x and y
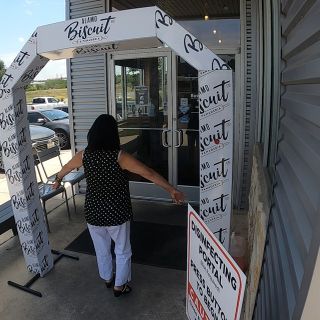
44, 137
63, 108
45, 103
54, 119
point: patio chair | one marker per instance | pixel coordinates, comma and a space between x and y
46, 192
72, 178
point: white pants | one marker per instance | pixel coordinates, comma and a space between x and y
101, 237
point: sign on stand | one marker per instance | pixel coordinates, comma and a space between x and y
215, 283
216, 148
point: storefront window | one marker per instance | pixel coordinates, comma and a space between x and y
220, 30
224, 33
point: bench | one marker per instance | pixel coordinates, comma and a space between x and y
7, 219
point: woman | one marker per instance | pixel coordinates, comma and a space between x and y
108, 208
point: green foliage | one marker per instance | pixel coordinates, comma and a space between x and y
56, 84
118, 78
133, 77
48, 84
60, 94
2, 68
34, 87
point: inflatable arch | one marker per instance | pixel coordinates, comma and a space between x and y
129, 29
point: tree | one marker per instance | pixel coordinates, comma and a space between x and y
56, 84
2, 68
133, 76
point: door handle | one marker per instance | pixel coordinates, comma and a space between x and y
164, 136
180, 138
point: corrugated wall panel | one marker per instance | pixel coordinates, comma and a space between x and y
279, 298
293, 233
87, 80
248, 25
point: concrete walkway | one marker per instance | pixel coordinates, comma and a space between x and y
73, 289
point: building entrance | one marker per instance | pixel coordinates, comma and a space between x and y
157, 119
154, 97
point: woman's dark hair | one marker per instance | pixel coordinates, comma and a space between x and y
103, 134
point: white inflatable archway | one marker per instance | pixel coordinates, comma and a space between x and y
103, 33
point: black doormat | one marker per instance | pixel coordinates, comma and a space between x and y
152, 244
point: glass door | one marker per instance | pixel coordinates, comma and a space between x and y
186, 159
140, 86
186, 124
154, 97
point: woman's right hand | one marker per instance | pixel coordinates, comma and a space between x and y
177, 196
128, 162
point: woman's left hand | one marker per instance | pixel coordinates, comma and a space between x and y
56, 185
177, 196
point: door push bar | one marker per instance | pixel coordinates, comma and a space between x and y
164, 136
180, 138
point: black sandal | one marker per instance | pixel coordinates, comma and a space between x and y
109, 283
126, 289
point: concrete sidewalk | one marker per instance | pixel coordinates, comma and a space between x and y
73, 289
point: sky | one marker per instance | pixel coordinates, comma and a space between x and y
19, 19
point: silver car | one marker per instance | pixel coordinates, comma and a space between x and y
44, 137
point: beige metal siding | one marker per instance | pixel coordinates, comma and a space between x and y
87, 80
249, 97
293, 232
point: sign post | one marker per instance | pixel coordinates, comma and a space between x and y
216, 148
215, 283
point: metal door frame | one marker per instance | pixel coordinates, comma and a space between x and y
145, 190
192, 192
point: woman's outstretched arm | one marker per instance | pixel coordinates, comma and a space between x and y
128, 162
75, 162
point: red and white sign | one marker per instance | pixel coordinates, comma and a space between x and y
215, 283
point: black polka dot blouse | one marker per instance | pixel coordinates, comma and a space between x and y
107, 201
